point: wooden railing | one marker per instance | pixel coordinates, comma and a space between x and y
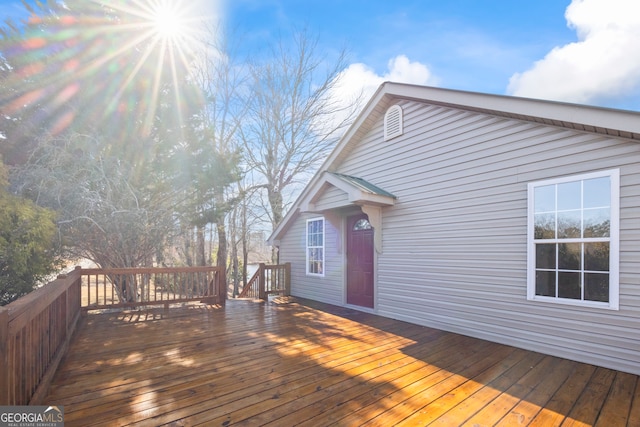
35, 332
133, 287
268, 280
252, 288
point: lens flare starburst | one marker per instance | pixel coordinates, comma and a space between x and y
110, 61
168, 23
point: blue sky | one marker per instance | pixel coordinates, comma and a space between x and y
584, 51
464, 43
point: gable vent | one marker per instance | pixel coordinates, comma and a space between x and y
393, 122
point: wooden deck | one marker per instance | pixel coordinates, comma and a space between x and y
294, 362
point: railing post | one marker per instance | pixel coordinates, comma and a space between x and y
262, 286
287, 279
222, 287
71, 297
4, 357
212, 285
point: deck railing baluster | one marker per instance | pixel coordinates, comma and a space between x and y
34, 334
268, 280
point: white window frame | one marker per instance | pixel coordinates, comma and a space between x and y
309, 247
614, 242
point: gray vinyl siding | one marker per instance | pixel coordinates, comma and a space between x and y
331, 198
326, 289
455, 243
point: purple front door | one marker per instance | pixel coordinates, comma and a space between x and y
359, 261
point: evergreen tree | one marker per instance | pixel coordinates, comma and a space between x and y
27, 245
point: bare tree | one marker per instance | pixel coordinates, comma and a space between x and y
291, 123
220, 79
246, 219
108, 212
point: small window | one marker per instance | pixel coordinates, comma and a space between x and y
315, 247
393, 122
573, 240
362, 224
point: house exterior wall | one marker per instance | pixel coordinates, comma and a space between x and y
329, 288
455, 243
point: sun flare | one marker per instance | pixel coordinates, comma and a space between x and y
131, 53
167, 22
170, 32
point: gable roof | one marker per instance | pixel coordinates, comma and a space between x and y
356, 191
612, 122
363, 185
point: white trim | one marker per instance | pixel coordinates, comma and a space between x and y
613, 239
355, 195
307, 247
559, 112
375, 219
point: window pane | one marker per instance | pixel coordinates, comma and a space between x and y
569, 195
314, 267
572, 230
546, 256
569, 225
315, 241
597, 222
569, 285
545, 198
315, 260
362, 224
569, 256
596, 287
315, 233
544, 226
546, 283
597, 192
596, 256
310, 232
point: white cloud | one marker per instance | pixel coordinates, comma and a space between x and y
603, 63
358, 82
361, 78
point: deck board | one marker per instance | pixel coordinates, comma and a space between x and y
297, 362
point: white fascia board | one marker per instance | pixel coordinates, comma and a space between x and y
621, 120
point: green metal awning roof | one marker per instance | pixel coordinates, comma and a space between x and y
363, 184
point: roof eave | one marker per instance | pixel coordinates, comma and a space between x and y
559, 112
605, 120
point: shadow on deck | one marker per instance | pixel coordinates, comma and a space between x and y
298, 362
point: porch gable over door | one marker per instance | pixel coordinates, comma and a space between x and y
336, 191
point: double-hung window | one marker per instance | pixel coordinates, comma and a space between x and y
573, 248
315, 246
